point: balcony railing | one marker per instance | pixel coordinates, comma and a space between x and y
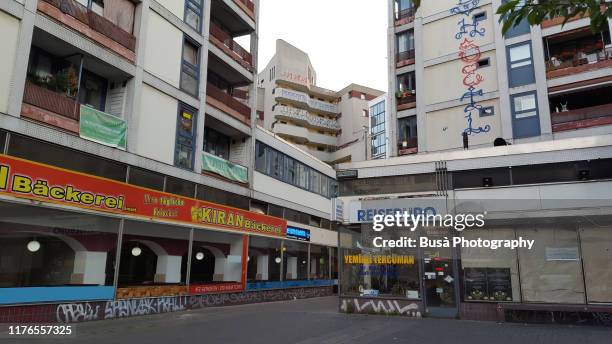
249, 5
404, 55
582, 118
51, 101
405, 16
95, 22
407, 146
231, 47
243, 112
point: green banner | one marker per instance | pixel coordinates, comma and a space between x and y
224, 168
102, 128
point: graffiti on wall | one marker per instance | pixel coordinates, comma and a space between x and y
388, 307
88, 311
469, 53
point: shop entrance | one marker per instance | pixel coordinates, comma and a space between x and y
440, 281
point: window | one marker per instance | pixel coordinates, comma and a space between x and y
146, 179
596, 261
525, 106
284, 168
264, 260
487, 111
190, 70
405, 41
521, 28
216, 257
480, 16
365, 113
407, 131
520, 66
406, 82
193, 14
185, 137
319, 262
92, 91
486, 62
216, 143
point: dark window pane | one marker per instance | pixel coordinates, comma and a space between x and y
189, 84
48, 153
476, 178
146, 179
180, 187
2, 140
274, 210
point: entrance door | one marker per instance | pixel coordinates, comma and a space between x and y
440, 278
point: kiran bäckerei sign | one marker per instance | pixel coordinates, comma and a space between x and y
29, 180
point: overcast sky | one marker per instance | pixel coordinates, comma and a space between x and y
345, 39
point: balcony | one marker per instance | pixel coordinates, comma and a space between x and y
217, 166
404, 16
247, 6
228, 104
302, 99
305, 118
302, 135
225, 42
407, 146
404, 58
576, 52
113, 32
580, 110
405, 100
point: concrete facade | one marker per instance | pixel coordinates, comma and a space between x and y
330, 125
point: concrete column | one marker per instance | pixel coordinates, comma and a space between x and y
199, 142
233, 263
134, 86
539, 66
292, 264
504, 111
168, 269
391, 116
420, 81
20, 67
262, 267
89, 268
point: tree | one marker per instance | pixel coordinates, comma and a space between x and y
514, 11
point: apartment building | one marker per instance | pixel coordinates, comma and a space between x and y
527, 85
135, 123
515, 128
330, 125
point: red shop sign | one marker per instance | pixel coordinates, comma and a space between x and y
29, 180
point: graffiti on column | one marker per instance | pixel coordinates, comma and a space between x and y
469, 53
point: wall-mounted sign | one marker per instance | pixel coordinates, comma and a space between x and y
364, 211
347, 174
298, 233
102, 128
29, 180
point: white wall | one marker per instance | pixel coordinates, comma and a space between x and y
163, 50
157, 125
9, 28
276, 188
177, 7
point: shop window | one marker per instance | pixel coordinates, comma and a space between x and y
476, 178
30, 149
490, 275
146, 179
399, 280
185, 137
193, 14
152, 255
295, 260
334, 262
319, 262
45, 248
190, 70
597, 256
216, 258
216, 143
296, 216
264, 260
551, 272
180, 187
520, 65
383, 185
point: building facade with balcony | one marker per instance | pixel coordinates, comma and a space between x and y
330, 125
135, 122
527, 85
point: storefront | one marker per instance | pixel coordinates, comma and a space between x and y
77, 247
563, 277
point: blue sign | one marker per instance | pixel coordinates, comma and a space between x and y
298, 233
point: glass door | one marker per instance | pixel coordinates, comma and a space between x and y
439, 277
